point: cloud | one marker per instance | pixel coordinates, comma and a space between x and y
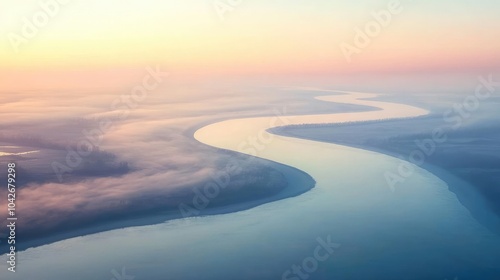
148, 160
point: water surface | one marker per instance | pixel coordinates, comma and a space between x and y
420, 231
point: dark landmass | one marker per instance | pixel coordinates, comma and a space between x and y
256, 182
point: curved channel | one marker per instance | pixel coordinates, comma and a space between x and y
419, 232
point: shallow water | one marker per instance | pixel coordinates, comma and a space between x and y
419, 231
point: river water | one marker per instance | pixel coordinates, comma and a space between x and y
418, 231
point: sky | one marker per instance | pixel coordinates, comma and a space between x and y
74, 41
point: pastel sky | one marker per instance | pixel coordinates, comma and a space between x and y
256, 37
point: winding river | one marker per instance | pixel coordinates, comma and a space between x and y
419, 231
